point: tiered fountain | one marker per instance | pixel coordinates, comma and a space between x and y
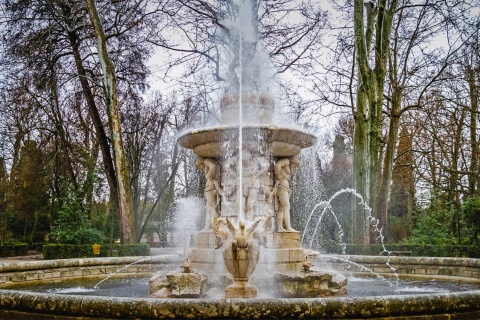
247, 161
247, 164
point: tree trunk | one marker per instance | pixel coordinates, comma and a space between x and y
168, 201
370, 86
127, 224
474, 145
386, 177
97, 122
359, 221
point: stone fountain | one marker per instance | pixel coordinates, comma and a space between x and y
247, 161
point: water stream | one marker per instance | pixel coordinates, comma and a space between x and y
372, 221
96, 286
241, 214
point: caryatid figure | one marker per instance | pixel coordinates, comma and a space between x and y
212, 189
283, 170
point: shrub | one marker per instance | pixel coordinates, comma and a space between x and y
72, 225
13, 249
67, 251
415, 249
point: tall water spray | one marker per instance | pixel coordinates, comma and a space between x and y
245, 69
248, 161
188, 212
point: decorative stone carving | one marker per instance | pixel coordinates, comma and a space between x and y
306, 264
187, 266
283, 170
182, 284
229, 181
310, 284
212, 189
257, 108
240, 254
254, 169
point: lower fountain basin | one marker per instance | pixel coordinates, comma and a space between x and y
21, 304
218, 141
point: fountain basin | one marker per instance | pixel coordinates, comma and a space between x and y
21, 304
273, 140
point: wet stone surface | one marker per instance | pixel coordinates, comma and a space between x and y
310, 284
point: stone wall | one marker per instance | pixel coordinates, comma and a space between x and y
405, 266
51, 270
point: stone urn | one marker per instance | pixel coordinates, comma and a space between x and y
240, 255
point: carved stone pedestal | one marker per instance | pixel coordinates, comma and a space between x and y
205, 240
240, 289
284, 240
288, 255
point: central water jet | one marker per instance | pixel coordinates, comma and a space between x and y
247, 161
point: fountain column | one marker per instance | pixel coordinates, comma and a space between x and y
268, 161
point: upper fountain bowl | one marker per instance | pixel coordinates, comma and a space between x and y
268, 139
257, 108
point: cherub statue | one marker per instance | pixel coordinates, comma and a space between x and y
283, 170
212, 189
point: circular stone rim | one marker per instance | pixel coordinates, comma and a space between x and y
15, 302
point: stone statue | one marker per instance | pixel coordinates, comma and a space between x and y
229, 184
283, 170
254, 167
240, 255
212, 189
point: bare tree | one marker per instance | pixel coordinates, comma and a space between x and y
111, 100
45, 37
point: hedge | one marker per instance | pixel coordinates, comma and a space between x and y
416, 250
13, 249
67, 251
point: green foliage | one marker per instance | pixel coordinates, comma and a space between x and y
471, 214
67, 251
125, 250
432, 228
13, 249
399, 228
444, 224
73, 226
29, 199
